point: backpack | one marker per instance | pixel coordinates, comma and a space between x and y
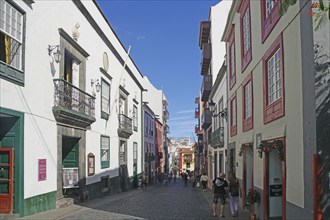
234, 189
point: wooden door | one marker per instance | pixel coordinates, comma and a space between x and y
6, 180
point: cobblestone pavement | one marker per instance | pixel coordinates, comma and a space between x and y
174, 201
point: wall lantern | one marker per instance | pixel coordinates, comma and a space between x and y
223, 113
97, 84
57, 54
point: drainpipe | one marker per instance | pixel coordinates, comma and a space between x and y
142, 130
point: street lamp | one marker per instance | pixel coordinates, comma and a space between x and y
223, 113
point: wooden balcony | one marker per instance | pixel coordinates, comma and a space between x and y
125, 126
196, 112
197, 130
206, 118
204, 32
206, 87
206, 58
72, 106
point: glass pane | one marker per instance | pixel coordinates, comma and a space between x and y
4, 157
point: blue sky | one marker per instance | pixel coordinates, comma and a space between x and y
164, 45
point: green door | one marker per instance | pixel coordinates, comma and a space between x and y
6, 180
70, 152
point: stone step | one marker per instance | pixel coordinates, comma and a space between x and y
64, 202
9, 216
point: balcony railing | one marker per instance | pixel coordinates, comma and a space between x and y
72, 105
166, 129
197, 129
206, 87
149, 157
206, 118
205, 29
125, 126
218, 138
196, 112
206, 58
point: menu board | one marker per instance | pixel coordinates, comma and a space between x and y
70, 177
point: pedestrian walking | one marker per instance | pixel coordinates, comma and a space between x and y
220, 187
234, 192
204, 178
175, 172
185, 179
193, 180
144, 182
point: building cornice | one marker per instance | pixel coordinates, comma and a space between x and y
103, 36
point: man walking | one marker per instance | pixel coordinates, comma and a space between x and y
220, 187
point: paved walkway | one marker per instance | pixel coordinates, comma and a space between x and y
174, 201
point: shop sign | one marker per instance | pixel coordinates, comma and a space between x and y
275, 190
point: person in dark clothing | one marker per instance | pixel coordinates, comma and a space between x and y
220, 187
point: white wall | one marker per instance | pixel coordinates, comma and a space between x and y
36, 98
218, 17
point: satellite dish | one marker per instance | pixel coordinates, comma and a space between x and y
105, 62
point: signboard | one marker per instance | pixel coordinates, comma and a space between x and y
42, 169
70, 177
275, 190
258, 140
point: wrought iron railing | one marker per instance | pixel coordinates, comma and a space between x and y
217, 137
70, 97
125, 123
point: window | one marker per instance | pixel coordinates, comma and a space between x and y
269, 7
233, 115
122, 152
11, 41
273, 81
232, 59
135, 118
105, 103
269, 16
105, 151
246, 47
247, 103
274, 78
135, 152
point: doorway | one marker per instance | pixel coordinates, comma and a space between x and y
247, 179
11, 162
275, 182
70, 163
6, 180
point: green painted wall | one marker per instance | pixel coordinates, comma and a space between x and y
40, 203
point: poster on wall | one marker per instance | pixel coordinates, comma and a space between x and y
42, 169
70, 177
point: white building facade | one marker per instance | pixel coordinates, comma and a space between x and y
71, 129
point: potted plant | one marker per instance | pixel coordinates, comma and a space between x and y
252, 197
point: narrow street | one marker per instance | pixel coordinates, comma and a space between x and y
174, 201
